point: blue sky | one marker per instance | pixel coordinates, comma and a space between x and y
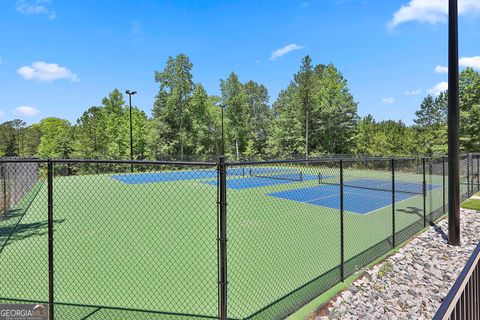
60, 57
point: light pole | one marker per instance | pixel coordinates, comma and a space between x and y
130, 94
223, 137
453, 127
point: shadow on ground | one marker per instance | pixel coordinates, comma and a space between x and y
12, 229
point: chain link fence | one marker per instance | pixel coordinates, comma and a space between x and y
204, 240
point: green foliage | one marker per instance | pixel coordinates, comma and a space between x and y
56, 138
12, 136
315, 114
31, 139
384, 138
171, 110
104, 132
91, 136
287, 128
234, 100
334, 124
117, 126
470, 110
259, 119
431, 125
203, 134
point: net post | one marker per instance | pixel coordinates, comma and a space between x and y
443, 185
342, 227
424, 193
222, 238
50, 240
393, 202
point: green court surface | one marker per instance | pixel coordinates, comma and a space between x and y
149, 250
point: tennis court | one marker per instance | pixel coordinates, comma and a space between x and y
144, 245
361, 196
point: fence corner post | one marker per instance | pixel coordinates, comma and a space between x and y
393, 202
222, 238
50, 240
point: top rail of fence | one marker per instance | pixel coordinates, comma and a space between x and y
229, 163
139, 162
327, 159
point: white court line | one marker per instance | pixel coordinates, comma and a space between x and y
321, 198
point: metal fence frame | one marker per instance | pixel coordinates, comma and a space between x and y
463, 300
473, 165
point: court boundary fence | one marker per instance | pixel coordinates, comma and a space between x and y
470, 169
463, 299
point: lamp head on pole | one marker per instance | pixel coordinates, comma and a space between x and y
130, 92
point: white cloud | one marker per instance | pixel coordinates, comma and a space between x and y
413, 92
441, 69
33, 7
473, 62
389, 100
2, 114
431, 11
438, 88
283, 51
43, 71
26, 111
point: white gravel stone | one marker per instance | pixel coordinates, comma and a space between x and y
421, 274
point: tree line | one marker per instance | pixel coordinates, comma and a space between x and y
315, 114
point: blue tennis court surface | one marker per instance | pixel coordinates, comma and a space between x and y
400, 186
254, 182
169, 176
355, 199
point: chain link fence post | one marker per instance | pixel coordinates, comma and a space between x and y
342, 226
443, 186
424, 193
472, 180
478, 172
468, 175
4, 186
222, 239
50, 240
393, 202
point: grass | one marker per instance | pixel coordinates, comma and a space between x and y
384, 269
472, 203
121, 249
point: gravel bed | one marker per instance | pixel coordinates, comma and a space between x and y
412, 283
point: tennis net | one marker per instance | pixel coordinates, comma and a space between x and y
277, 174
380, 185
